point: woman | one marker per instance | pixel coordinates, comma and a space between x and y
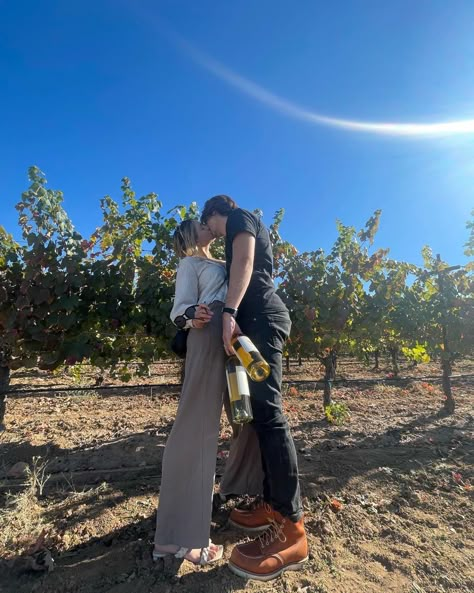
189, 461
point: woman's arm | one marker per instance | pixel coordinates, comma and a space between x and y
186, 289
187, 296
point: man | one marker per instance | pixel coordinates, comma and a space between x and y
261, 315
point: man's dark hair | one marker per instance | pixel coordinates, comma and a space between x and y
222, 205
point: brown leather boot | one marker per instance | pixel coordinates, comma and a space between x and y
255, 518
283, 546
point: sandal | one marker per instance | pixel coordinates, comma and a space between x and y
204, 557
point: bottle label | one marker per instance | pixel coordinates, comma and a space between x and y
238, 384
242, 380
246, 344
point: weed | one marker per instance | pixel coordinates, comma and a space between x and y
337, 413
36, 475
21, 520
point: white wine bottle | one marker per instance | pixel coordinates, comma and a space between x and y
256, 366
239, 392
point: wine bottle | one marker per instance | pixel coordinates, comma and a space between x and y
239, 392
256, 366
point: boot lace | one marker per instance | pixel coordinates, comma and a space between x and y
273, 533
253, 503
246, 502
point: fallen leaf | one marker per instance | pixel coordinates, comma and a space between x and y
336, 505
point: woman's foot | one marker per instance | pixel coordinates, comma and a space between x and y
198, 556
202, 556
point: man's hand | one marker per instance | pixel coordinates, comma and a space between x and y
230, 328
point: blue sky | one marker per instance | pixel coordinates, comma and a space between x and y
94, 91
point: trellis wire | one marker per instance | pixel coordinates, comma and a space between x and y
318, 383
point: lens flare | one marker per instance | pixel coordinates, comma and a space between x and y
290, 109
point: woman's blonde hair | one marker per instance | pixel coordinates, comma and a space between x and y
185, 239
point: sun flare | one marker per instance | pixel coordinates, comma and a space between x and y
291, 109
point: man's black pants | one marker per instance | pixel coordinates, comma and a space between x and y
281, 485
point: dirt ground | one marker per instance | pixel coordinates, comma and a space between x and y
388, 495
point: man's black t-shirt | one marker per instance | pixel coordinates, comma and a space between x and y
260, 296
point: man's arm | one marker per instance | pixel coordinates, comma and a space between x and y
241, 268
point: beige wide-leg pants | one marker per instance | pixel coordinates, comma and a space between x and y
243, 473
189, 460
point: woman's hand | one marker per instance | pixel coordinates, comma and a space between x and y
202, 316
